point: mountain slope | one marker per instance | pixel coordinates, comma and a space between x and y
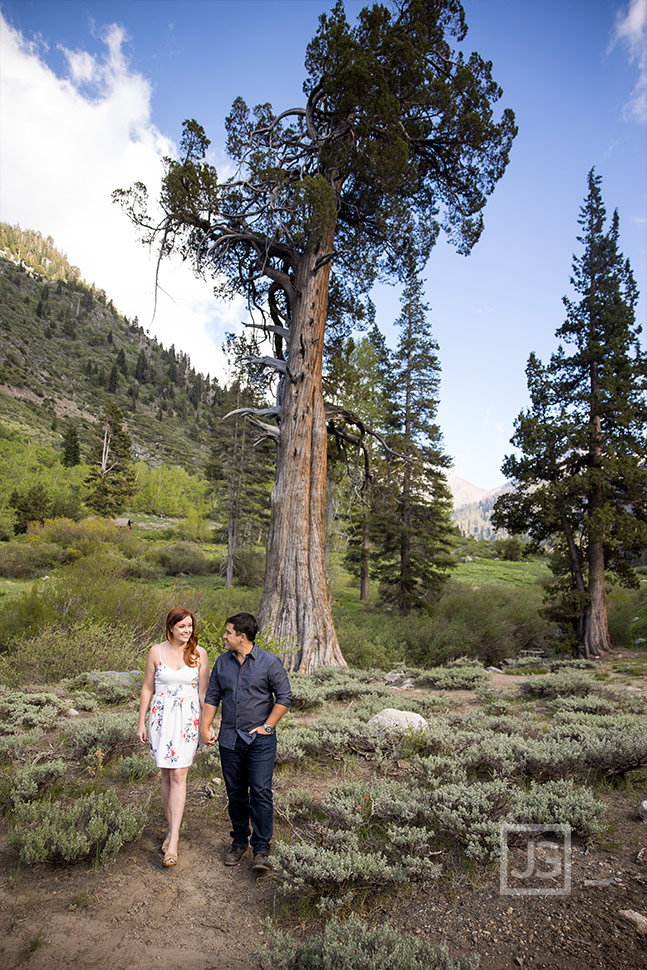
473, 507
64, 348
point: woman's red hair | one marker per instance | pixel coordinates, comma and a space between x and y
178, 613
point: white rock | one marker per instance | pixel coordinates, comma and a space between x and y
390, 719
637, 919
642, 809
72, 713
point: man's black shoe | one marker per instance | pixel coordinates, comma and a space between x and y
261, 863
235, 854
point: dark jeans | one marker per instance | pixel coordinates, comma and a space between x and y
247, 771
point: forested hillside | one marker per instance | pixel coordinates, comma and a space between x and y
68, 360
66, 349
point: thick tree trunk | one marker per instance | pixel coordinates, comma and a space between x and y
405, 552
295, 609
578, 576
596, 630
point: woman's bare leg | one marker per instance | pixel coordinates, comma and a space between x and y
166, 787
175, 804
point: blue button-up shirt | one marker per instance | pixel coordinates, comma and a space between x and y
248, 692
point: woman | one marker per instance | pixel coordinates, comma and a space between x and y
176, 678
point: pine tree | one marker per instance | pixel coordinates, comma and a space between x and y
412, 530
31, 505
110, 482
113, 380
141, 368
581, 480
71, 447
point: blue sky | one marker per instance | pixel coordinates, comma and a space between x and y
94, 92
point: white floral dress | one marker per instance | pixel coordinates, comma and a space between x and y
174, 728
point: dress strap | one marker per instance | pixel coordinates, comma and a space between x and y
159, 652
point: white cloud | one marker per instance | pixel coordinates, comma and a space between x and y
631, 31
67, 143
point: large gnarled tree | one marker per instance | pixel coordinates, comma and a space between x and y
396, 140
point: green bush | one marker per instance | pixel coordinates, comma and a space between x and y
183, 557
91, 591
56, 653
27, 560
93, 825
356, 945
85, 537
249, 566
488, 623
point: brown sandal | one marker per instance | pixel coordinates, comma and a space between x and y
170, 859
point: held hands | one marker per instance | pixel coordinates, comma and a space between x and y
208, 736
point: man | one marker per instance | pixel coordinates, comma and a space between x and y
255, 693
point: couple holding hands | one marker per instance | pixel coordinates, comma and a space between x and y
254, 690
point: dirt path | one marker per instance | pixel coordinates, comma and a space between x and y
134, 914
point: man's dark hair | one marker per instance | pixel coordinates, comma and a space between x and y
244, 623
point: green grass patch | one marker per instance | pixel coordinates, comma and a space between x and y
492, 572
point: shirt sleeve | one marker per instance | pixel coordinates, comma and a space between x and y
280, 684
214, 692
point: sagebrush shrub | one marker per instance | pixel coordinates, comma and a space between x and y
355, 944
93, 825
135, 767
472, 814
559, 802
564, 683
21, 710
459, 677
106, 733
310, 870
111, 689
29, 782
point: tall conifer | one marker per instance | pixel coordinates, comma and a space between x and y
581, 479
412, 533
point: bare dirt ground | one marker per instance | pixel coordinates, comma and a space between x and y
135, 915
